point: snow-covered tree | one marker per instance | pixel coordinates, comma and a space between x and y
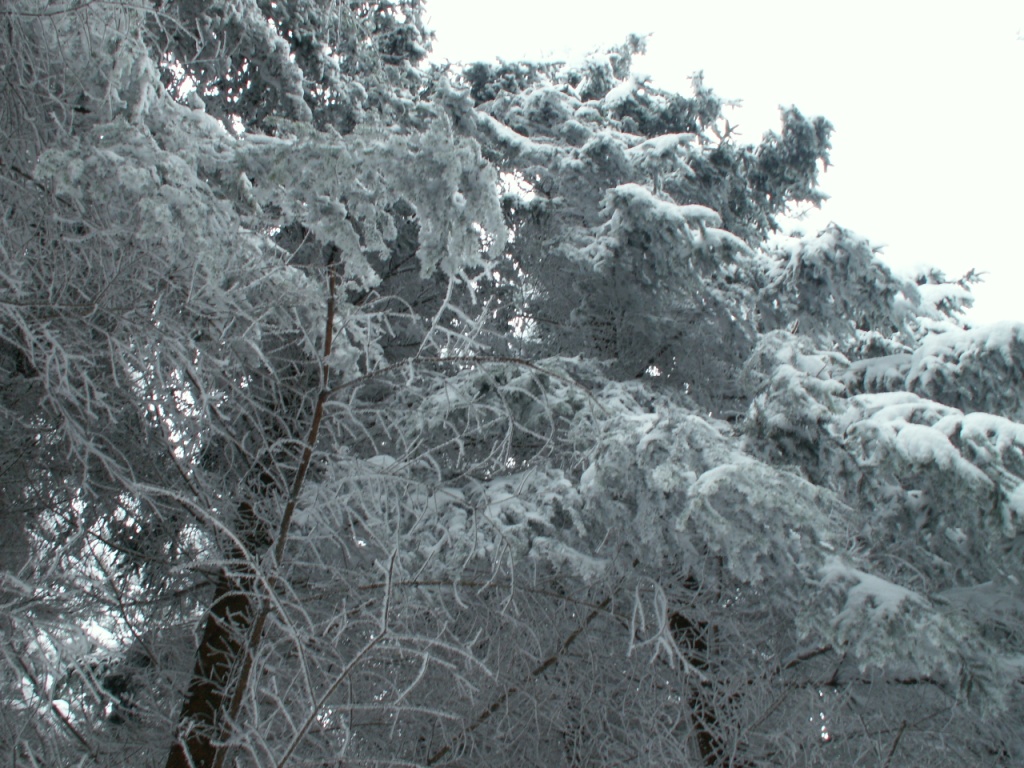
362, 412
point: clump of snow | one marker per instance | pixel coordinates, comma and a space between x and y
637, 196
516, 143
997, 431
920, 432
669, 477
957, 345
885, 411
1013, 509
621, 92
881, 372
717, 238
588, 481
919, 444
661, 146
558, 553
547, 104
749, 512
382, 460
936, 295
879, 599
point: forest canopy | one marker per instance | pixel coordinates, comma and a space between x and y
358, 410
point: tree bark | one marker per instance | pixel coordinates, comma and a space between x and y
205, 719
235, 621
693, 638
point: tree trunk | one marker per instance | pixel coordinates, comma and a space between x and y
204, 723
693, 639
237, 615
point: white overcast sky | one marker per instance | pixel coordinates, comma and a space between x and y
927, 99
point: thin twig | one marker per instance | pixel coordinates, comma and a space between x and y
293, 499
895, 743
374, 642
64, 719
549, 662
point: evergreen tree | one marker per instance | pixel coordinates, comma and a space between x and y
362, 412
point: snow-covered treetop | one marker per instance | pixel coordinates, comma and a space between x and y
384, 413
